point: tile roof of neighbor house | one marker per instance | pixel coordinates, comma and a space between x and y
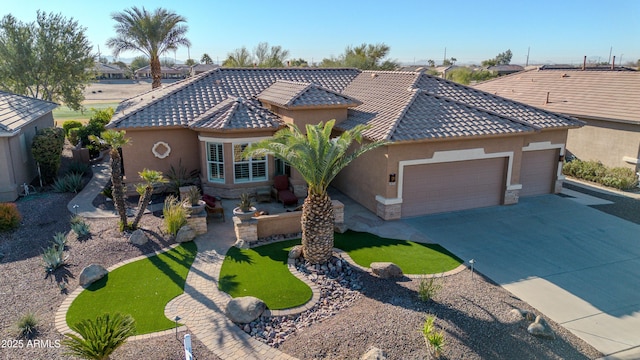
237, 113
606, 95
108, 69
292, 94
17, 111
393, 103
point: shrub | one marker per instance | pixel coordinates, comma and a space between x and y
77, 167
428, 288
175, 215
618, 177
9, 217
433, 339
73, 136
59, 240
53, 258
179, 177
70, 124
81, 229
95, 127
47, 150
107, 191
99, 338
27, 326
71, 182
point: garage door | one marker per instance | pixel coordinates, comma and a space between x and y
434, 188
538, 172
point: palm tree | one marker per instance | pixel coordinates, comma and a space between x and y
206, 59
318, 158
100, 338
116, 140
152, 33
145, 190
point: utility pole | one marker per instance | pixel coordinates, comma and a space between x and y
188, 52
610, 50
445, 55
528, 48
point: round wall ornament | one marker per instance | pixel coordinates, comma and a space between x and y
161, 150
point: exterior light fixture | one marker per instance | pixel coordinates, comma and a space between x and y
177, 318
392, 178
472, 262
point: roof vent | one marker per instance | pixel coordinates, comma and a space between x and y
564, 75
373, 75
218, 81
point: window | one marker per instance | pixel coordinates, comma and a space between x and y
215, 162
247, 170
283, 168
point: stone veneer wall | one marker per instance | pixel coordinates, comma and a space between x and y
198, 223
389, 212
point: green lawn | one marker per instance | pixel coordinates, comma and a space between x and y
142, 288
262, 272
63, 113
411, 257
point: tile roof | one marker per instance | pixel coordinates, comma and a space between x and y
398, 105
237, 113
17, 111
178, 104
291, 94
607, 95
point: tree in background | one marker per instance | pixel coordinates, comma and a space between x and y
503, 58
238, 58
365, 57
263, 55
46, 59
152, 33
206, 59
449, 62
190, 62
465, 76
300, 62
139, 62
431, 63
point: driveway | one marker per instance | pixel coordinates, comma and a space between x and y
577, 265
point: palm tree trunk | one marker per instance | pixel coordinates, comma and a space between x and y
118, 187
317, 228
142, 206
156, 72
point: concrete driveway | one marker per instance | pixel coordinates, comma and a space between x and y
577, 265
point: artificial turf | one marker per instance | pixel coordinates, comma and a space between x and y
411, 257
142, 289
262, 272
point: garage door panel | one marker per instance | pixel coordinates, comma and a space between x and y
538, 172
441, 187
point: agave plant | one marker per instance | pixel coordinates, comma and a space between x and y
99, 338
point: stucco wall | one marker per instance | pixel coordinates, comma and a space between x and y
606, 141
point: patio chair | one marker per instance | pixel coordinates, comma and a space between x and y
213, 205
283, 191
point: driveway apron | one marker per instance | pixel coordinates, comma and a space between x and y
577, 265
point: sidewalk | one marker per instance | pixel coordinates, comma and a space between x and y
81, 204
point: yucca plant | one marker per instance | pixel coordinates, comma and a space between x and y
53, 258
433, 339
27, 326
99, 338
175, 215
81, 229
59, 240
71, 182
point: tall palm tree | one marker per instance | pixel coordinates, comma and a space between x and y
145, 190
318, 158
152, 33
116, 140
206, 59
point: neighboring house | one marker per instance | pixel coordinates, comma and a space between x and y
200, 68
108, 71
167, 72
450, 147
20, 119
607, 100
505, 69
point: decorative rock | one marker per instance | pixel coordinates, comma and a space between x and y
91, 274
185, 234
541, 328
519, 314
374, 354
386, 270
245, 309
340, 228
295, 252
138, 238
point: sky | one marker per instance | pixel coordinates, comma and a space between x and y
551, 31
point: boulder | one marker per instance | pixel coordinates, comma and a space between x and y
374, 354
244, 309
541, 328
91, 274
185, 234
138, 238
295, 252
520, 314
386, 270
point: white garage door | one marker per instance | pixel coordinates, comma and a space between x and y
538, 172
434, 188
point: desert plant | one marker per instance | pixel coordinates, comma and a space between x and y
433, 339
77, 167
618, 177
73, 136
59, 240
245, 203
9, 216
81, 229
76, 219
179, 177
101, 337
27, 326
70, 124
175, 215
47, 150
145, 190
428, 288
53, 258
194, 195
107, 191
72, 182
